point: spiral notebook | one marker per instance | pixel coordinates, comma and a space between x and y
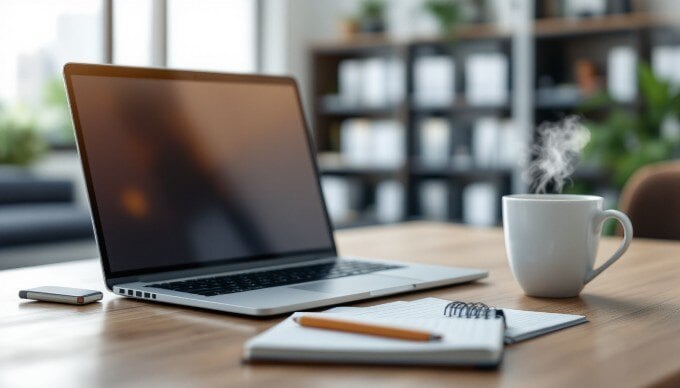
472, 335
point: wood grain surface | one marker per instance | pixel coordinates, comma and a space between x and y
632, 339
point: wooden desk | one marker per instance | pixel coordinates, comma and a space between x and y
632, 339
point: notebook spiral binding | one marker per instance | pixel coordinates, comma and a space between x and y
472, 310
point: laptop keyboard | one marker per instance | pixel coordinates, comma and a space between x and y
230, 284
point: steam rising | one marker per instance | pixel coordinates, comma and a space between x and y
555, 153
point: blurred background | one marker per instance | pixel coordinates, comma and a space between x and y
420, 109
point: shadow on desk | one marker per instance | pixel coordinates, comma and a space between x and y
60, 307
608, 304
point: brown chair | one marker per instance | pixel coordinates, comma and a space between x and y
651, 198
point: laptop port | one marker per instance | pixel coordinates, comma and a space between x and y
147, 295
121, 291
138, 294
130, 292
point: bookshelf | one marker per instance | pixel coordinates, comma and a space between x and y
556, 40
407, 112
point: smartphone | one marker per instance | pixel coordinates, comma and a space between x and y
61, 295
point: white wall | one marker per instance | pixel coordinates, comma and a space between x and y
290, 27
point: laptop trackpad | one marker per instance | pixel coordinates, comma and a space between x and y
355, 284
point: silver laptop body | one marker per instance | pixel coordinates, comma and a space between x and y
204, 192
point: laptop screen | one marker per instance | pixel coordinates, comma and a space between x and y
187, 172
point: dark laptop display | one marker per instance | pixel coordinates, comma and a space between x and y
187, 172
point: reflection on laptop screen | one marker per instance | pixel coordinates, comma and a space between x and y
190, 171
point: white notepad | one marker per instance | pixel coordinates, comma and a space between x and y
467, 341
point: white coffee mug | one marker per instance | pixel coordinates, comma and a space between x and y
551, 241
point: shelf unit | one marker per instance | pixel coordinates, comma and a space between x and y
326, 58
556, 40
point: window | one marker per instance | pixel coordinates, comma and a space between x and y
132, 32
36, 38
212, 35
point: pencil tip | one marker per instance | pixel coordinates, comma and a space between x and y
436, 337
296, 319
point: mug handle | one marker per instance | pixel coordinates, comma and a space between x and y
600, 217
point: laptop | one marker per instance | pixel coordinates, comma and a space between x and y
204, 192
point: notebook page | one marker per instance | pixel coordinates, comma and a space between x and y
426, 314
377, 309
528, 324
458, 334
427, 307
463, 334
521, 325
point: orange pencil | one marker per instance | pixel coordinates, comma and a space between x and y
365, 328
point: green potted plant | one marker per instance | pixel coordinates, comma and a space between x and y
446, 12
372, 16
20, 141
627, 139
